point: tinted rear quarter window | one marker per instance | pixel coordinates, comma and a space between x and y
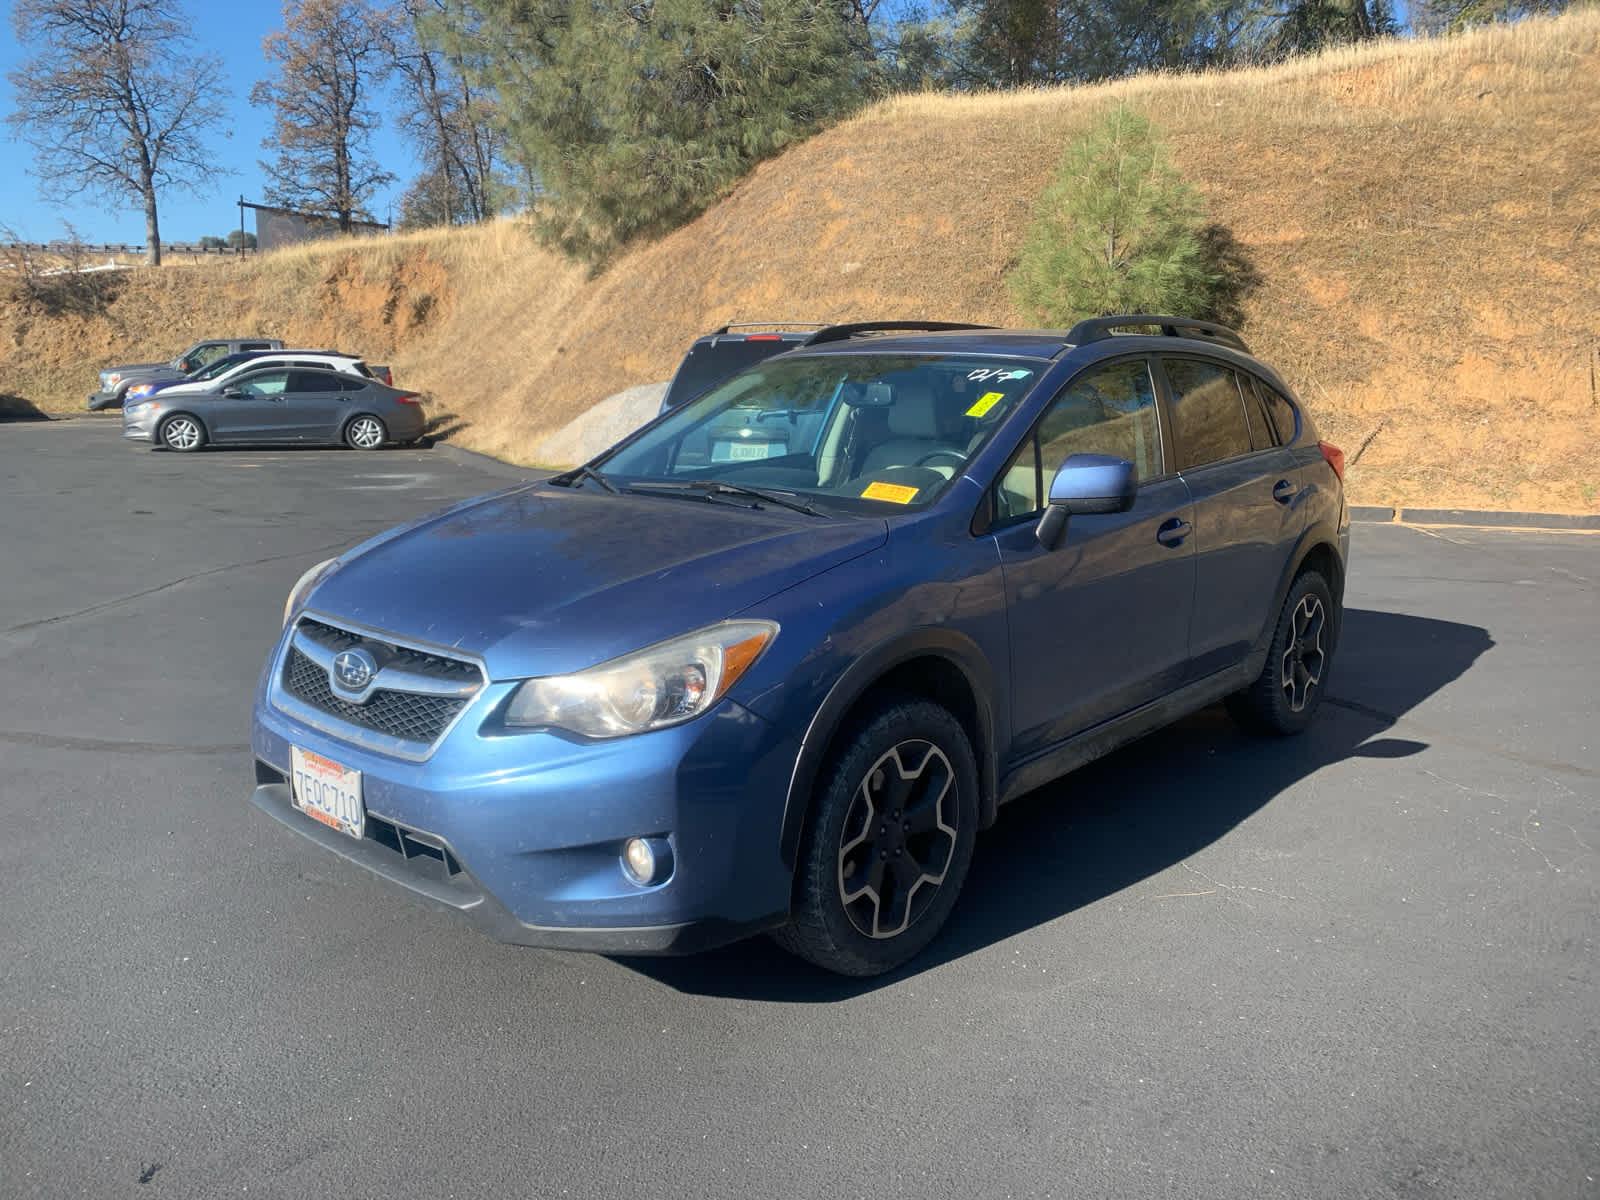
1285, 417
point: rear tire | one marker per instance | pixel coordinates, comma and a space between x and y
365, 432
888, 842
182, 433
1285, 696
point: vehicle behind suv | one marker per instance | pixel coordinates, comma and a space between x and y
222, 370
725, 352
115, 381
687, 692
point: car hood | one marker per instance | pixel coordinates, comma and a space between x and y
145, 371
545, 580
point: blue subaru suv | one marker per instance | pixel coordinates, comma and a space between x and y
772, 662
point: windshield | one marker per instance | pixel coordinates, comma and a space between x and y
217, 368
865, 432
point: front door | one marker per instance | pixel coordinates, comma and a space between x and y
250, 407
1099, 625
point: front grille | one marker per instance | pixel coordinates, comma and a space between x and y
438, 688
397, 714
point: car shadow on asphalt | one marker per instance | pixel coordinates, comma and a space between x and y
1134, 813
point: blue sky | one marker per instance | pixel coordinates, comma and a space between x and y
233, 30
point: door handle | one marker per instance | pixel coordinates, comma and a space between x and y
1174, 531
1283, 491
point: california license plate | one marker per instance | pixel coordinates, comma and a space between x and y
327, 791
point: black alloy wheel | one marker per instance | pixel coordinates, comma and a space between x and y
888, 843
1285, 696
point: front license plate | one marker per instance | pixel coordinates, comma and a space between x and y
325, 790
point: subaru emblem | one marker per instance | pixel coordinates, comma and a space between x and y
353, 669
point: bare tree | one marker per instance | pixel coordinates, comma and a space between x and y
115, 102
331, 55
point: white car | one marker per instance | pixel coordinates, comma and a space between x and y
227, 367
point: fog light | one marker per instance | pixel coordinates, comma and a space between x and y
647, 860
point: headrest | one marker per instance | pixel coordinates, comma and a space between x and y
913, 414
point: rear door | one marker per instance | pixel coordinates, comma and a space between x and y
314, 405
1248, 514
1100, 624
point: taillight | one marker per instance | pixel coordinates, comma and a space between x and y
1335, 457
413, 398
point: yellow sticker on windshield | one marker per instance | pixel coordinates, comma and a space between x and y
896, 492
985, 402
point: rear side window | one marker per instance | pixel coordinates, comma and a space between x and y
1109, 410
255, 346
1208, 418
314, 381
362, 370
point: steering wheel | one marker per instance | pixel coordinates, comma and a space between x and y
952, 457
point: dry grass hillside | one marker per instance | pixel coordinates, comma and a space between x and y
1421, 222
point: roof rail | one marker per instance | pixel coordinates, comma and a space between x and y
838, 333
1098, 328
768, 325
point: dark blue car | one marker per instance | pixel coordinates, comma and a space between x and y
772, 662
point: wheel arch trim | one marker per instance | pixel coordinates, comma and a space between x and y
856, 682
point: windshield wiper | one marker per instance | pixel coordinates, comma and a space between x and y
577, 474
709, 489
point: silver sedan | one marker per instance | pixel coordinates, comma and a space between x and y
279, 404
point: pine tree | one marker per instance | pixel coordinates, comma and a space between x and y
1117, 231
633, 117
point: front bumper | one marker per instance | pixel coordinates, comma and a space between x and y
139, 427
103, 400
521, 835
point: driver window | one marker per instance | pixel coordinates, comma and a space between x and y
267, 383
1109, 410
205, 356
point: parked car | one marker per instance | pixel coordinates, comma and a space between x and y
115, 381
278, 403
224, 369
684, 693
725, 352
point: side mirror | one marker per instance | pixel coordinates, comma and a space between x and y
1086, 484
232, 393
183, 365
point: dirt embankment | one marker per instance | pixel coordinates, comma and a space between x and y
1413, 227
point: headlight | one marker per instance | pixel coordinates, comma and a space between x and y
303, 585
665, 684
140, 389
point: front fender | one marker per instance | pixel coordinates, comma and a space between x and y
866, 672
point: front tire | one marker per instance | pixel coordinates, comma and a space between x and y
1285, 696
183, 433
888, 842
365, 432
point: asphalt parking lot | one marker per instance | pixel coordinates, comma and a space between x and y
1359, 963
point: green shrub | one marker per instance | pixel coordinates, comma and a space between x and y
1116, 231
